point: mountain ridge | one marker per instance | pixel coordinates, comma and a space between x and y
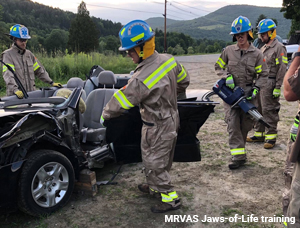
217, 25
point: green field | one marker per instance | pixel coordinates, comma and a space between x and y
62, 68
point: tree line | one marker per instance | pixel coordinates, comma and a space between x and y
55, 31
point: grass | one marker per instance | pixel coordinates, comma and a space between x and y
230, 212
62, 68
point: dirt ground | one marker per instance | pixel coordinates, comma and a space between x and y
205, 188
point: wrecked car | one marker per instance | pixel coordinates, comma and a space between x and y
45, 141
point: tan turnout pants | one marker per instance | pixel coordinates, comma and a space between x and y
294, 206
158, 146
288, 174
239, 124
269, 107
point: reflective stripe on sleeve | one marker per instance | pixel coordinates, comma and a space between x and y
237, 151
181, 75
271, 136
258, 69
221, 63
160, 72
284, 59
125, 103
5, 67
36, 66
277, 61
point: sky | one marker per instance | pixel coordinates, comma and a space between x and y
126, 10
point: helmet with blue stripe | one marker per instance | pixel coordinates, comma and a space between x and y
134, 34
240, 25
19, 31
265, 25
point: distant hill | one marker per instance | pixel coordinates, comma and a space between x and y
42, 19
217, 24
158, 22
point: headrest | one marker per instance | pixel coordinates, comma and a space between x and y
75, 82
107, 77
64, 92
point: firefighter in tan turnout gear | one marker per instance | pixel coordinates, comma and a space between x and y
291, 85
154, 86
241, 64
268, 101
23, 62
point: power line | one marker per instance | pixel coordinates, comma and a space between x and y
180, 12
156, 2
175, 16
184, 10
141, 11
192, 7
221, 22
168, 9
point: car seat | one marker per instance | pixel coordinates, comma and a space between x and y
96, 100
72, 84
92, 80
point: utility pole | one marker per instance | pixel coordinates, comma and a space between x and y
165, 36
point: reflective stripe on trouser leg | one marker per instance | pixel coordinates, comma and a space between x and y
271, 137
271, 107
239, 124
259, 134
237, 151
167, 198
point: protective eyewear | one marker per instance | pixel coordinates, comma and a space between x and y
240, 34
130, 51
23, 40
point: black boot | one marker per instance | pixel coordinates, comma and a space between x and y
236, 164
146, 189
255, 139
164, 207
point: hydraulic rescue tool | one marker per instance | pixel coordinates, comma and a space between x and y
236, 97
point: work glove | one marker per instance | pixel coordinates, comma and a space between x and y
56, 84
294, 129
276, 93
230, 82
19, 94
254, 93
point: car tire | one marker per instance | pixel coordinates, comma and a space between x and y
46, 182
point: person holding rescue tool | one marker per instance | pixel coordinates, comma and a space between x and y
23, 62
154, 86
242, 65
